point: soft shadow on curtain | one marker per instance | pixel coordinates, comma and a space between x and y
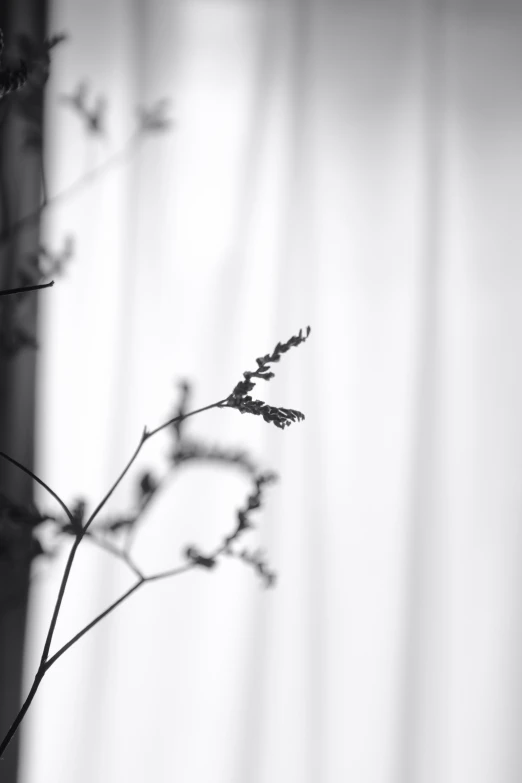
354, 166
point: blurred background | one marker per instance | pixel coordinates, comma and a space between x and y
219, 174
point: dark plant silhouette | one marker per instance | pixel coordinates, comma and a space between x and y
116, 535
79, 528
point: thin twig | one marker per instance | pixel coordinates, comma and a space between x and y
119, 553
9, 291
25, 706
77, 185
141, 581
59, 599
42, 483
184, 416
44, 182
45, 660
180, 569
145, 437
94, 622
101, 504
237, 399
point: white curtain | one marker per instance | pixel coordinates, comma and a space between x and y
355, 166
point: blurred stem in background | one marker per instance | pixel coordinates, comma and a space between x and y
20, 193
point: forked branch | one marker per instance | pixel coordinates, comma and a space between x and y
281, 417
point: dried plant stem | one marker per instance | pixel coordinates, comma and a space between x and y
239, 399
45, 193
21, 715
9, 291
58, 604
45, 661
145, 437
141, 581
113, 550
94, 622
39, 481
80, 183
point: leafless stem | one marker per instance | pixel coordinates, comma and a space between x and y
76, 186
184, 416
39, 481
25, 706
113, 550
45, 661
239, 399
141, 581
44, 183
94, 622
9, 291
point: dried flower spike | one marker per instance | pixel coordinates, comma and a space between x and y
240, 399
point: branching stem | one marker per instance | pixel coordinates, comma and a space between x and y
238, 398
46, 662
